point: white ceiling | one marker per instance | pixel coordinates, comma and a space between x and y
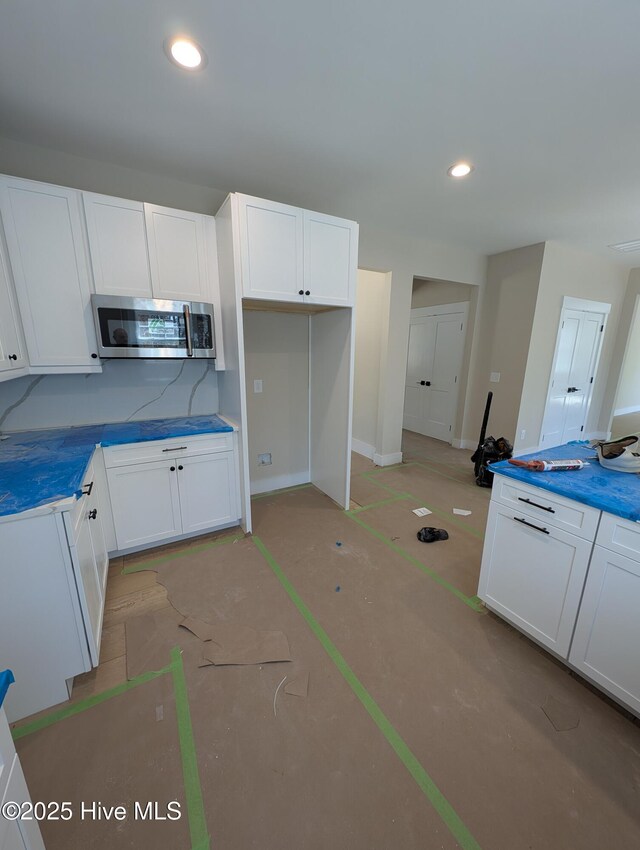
353, 107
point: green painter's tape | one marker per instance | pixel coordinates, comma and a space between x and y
446, 811
381, 503
195, 807
190, 550
193, 792
89, 702
472, 601
278, 492
452, 519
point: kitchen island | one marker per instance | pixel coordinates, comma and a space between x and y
561, 562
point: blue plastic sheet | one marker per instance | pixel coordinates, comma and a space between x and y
6, 679
40, 467
614, 492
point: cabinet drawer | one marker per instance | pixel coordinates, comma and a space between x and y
551, 509
532, 574
162, 449
619, 535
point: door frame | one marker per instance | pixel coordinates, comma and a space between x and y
587, 306
442, 310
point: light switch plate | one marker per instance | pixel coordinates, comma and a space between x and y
257, 386
495, 377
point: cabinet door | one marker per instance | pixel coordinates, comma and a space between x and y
330, 259
118, 245
12, 353
207, 491
145, 502
47, 254
19, 835
533, 574
271, 249
607, 636
89, 589
177, 254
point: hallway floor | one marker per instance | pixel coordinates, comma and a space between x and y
408, 716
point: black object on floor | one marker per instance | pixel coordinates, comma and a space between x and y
489, 451
429, 534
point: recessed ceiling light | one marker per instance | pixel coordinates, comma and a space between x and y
460, 169
185, 53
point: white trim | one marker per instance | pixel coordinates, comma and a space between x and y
571, 303
440, 310
621, 411
585, 306
387, 460
463, 444
279, 482
362, 448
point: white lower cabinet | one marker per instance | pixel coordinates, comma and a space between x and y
22, 834
533, 574
163, 496
606, 643
580, 600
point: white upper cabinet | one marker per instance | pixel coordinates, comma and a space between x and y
177, 254
118, 245
12, 350
290, 254
330, 259
271, 246
45, 241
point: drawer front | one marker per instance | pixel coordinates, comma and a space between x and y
620, 535
532, 575
162, 449
553, 510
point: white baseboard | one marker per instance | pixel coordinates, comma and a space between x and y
279, 482
622, 411
387, 460
464, 444
362, 448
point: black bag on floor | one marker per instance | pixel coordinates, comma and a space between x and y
490, 451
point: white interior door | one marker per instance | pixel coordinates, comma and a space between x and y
577, 352
436, 345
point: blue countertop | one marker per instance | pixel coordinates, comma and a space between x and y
41, 467
615, 492
6, 679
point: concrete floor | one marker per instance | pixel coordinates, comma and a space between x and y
427, 720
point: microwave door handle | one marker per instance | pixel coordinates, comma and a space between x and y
187, 327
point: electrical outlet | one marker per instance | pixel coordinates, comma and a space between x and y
495, 377
264, 459
257, 386
523, 433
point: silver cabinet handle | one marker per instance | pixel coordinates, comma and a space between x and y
187, 328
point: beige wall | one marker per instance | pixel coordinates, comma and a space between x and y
406, 258
628, 397
567, 271
620, 344
277, 352
505, 319
372, 320
51, 166
431, 293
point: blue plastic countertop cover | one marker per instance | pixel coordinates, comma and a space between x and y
39, 467
614, 492
6, 678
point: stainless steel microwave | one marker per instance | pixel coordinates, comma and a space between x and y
145, 327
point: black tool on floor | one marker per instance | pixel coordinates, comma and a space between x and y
429, 534
489, 451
